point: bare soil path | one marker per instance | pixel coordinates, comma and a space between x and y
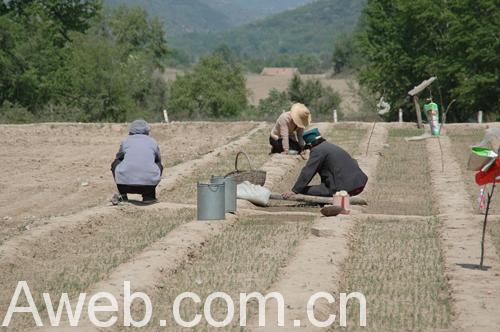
476, 293
173, 174
316, 265
59, 169
168, 254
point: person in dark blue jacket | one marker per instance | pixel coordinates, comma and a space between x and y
337, 169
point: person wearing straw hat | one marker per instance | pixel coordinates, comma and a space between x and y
286, 135
337, 169
137, 168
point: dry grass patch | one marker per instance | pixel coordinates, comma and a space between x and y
403, 182
245, 258
398, 266
348, 136
257, 150
70, 260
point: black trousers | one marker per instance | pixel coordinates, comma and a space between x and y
318, 190
148, 192
277, 145
323, 191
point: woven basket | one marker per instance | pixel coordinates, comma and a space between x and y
253, 176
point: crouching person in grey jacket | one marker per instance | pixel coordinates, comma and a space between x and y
337, 169
137, 167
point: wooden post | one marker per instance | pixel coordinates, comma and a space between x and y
400, 115
165, 116
335, 117
490, 195
414, 92
418, 111
480, 117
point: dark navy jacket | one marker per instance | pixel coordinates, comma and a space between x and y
337, 169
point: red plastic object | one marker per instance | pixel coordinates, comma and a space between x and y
483, 178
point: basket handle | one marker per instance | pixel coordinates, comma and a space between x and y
236, 161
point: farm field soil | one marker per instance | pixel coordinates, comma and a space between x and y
44, 165
402, 183
245, 258
69, 260
257, 150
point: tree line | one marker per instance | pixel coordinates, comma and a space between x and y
400, 43
73, 60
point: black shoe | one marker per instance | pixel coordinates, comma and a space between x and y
149, 201
117, 199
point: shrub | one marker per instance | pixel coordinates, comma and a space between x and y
215, 89
312, 93
274, 104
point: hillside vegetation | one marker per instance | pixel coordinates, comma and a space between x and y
187, 16
308, 29
181, 16
243, 11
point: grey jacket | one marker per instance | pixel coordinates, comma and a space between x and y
337, 169
138, 162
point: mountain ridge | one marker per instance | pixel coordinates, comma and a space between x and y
188, 16
311, 28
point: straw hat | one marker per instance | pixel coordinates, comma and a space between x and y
301, 115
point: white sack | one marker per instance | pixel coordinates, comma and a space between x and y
258, 195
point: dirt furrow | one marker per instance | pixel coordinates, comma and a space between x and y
476, 293
316, 265
44, 227
178, 172
157, 261
60, 169
168, 254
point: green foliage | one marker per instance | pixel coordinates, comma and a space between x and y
310, 29
320, 99
214, 89
97, 78
183, 17
272, 106
14, 113
406, 42
131, 26
346, 56
85, 66
63, 15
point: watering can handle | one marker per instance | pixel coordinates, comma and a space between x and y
236, 161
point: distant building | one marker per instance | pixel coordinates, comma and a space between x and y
279, 71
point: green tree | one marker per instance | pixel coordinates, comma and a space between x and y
131, 26
405, 42
84, 66
214, 89
64, 15
274, 104
345, 54
312, 93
